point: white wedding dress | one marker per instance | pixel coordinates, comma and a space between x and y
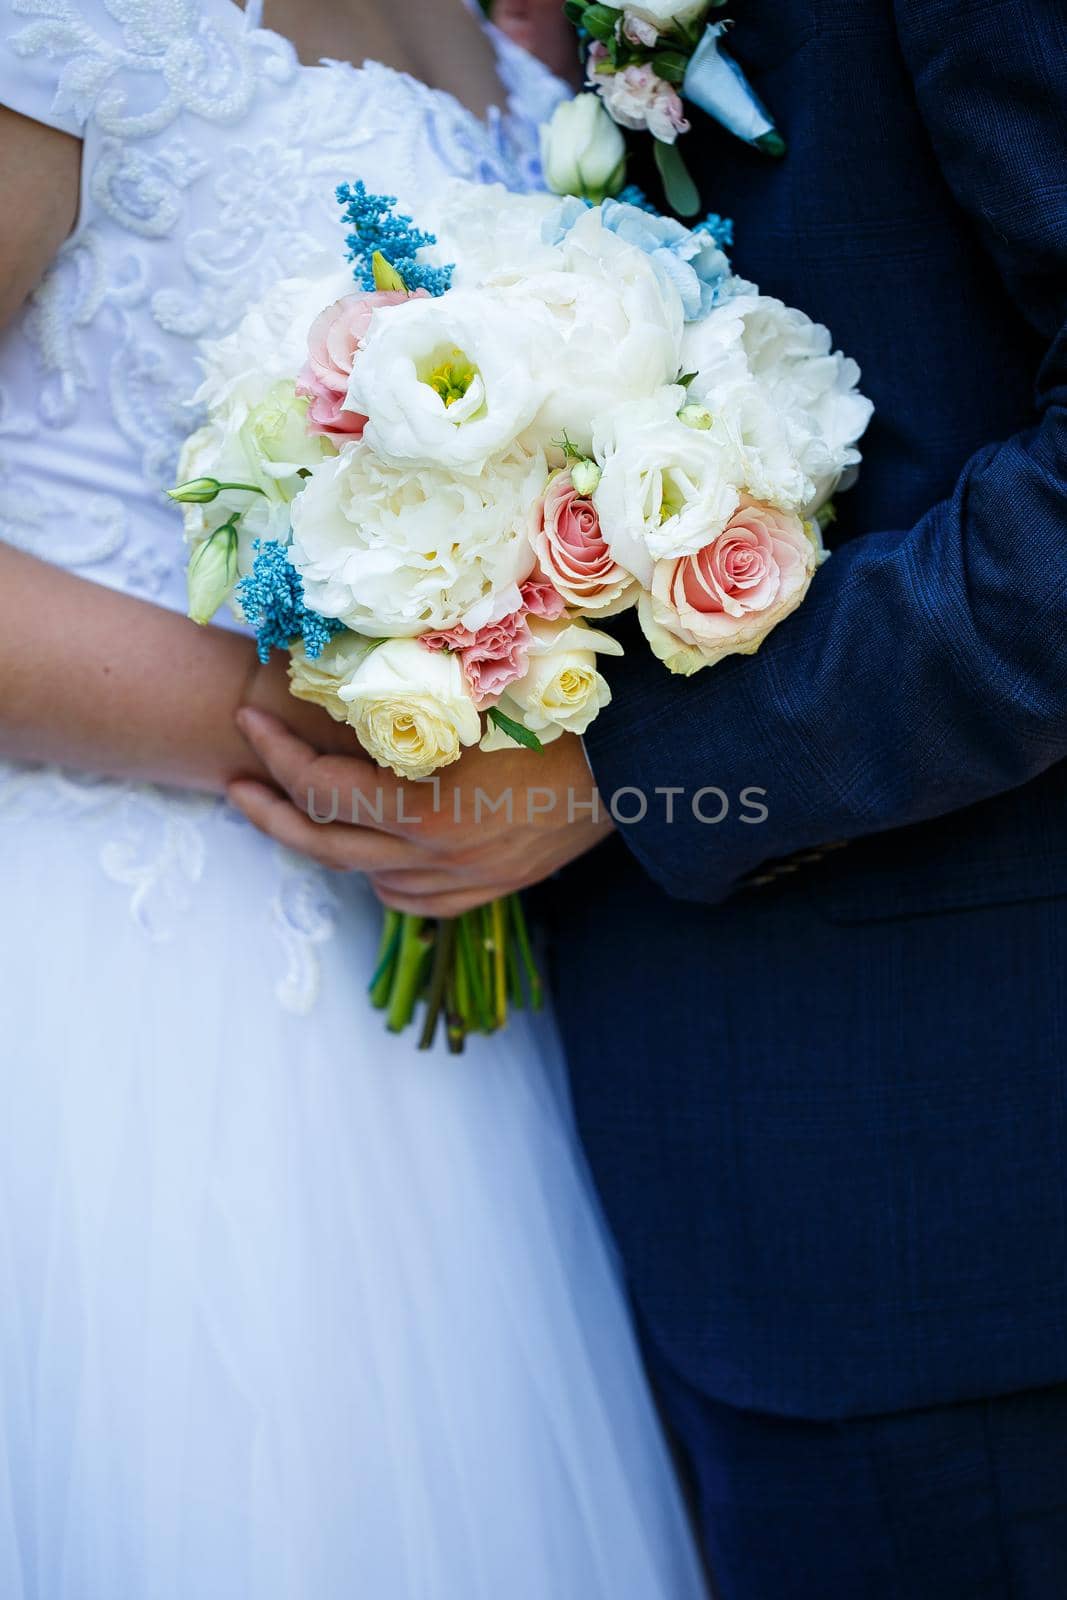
287, 1310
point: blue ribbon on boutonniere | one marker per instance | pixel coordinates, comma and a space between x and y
714, 82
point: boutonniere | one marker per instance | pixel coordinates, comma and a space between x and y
646, 59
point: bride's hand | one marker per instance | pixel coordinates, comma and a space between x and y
268, 690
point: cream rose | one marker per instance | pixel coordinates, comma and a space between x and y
562, 691
411, 708
321, 680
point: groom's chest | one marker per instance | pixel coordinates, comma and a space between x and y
858, 227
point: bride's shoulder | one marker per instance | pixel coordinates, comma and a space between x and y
130, 65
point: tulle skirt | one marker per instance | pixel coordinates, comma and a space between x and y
287, 1309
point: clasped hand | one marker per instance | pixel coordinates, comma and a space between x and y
484, 827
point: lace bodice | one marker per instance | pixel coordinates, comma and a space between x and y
210, 161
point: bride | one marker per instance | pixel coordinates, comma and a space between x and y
288, 1310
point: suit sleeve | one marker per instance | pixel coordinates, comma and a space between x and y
927, 669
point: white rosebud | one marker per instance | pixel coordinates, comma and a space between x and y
582, 151
212, 573
411, 708
662, 15
585, 475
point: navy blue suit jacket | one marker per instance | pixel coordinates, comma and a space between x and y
828, 1116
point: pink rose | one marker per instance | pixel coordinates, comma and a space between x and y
637, 97
493, 657
726, 599
333, 343
571, 549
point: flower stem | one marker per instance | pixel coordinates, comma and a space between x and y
382, 982
408, 973
471, 993
498, 937
444, 945
522, 939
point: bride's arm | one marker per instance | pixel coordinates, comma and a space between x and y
90, 678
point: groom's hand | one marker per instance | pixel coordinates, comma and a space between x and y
484, 827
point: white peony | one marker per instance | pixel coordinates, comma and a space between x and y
489, 234
400, 549
451, 382
562, 691
790, 401
582, 151
411, 708
616, 330
666, 488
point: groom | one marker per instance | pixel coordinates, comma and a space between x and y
826, 1105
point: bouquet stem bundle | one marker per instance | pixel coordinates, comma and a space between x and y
466, 971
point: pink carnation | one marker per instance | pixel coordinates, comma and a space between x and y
493, 657
497, 654
637, 97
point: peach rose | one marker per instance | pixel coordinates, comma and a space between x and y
726, 599
333, 343
572, 551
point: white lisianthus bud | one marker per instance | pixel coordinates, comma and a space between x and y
212, 572
582, 151
696, 416
197, 492
585, 475
411, 708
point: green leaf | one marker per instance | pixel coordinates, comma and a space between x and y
515, 730
681, 191
386, 277
601, 22
670, 65
574, 11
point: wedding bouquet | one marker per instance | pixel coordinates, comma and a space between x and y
432, 487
